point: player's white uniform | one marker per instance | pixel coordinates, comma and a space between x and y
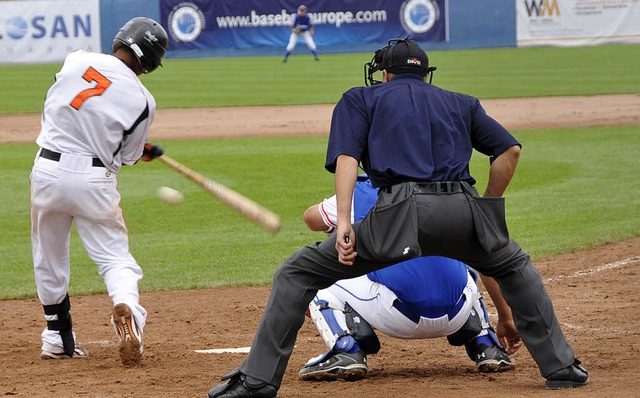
306, 35
96, 117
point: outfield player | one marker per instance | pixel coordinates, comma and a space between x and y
96, 118
302, 26
425, 297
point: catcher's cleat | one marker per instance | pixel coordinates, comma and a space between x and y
570, 377
492, 359
341, 365
128, 334
78, 352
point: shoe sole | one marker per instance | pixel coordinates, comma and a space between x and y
49, 355
564, 384
78, 353
129, 351
495, 367
353, 373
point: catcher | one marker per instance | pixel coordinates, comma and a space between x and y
426, 297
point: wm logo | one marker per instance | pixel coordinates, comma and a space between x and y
541, 8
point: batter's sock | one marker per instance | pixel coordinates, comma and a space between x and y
286, 56
315, 55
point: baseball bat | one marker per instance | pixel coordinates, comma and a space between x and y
240, 203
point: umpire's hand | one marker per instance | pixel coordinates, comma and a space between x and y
345, 244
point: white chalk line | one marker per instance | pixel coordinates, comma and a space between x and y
600, 268
608, 331
103, 343
587, 272
239, 350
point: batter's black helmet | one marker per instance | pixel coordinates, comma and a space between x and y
146, 38
397, 57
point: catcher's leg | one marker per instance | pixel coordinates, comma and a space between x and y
345, 359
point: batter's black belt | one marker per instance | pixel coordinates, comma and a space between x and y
432, 188
55, 156
414, 316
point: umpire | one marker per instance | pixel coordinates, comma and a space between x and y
415, 142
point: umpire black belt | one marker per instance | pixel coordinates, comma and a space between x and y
432, 188
406, 309
55, 156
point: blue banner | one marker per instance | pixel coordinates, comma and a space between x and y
244, 24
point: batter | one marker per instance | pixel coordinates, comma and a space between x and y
96, 118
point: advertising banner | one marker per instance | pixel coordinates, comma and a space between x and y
46, 31
577, 22
238, 24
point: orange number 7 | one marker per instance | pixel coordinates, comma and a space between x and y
91, 75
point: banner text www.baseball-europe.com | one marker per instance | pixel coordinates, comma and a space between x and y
336, 18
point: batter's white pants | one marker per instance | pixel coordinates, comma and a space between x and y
374, 302
293, 40
72, 190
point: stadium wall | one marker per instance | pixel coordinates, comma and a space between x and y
44, 31
261, 28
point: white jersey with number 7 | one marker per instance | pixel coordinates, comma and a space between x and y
97, 107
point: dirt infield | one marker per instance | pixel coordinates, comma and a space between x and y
595, 294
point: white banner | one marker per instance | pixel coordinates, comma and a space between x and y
46, 31
577, 22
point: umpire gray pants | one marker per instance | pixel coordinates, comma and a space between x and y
443, 226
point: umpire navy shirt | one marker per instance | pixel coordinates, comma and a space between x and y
409, 130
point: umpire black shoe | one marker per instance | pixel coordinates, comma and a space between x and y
241, 386
569, 377
492, 359
341, 365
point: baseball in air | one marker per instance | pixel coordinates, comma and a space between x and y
169, 195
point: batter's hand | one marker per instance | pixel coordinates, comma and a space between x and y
151, 151
346, 244
508, 336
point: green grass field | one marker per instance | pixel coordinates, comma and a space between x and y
574, 188
485, 73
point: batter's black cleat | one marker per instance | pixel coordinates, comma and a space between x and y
341, 365
492, 359
241, 386
569, 377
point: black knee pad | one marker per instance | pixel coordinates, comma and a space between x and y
361, 331
63, 324
469, 330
